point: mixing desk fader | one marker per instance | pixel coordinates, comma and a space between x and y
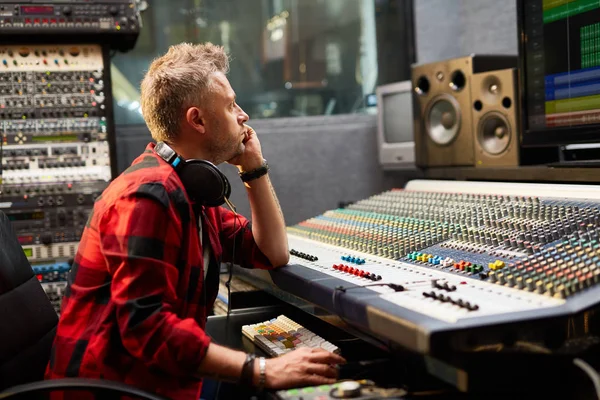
456, 266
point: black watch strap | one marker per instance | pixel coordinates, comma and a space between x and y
248, 370
255, 173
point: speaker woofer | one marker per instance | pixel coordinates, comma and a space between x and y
493, 133
443, 119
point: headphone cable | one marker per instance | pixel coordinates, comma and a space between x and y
228, 283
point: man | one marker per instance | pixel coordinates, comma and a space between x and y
141, 284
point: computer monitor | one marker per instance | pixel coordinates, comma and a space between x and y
395, 125
560, 71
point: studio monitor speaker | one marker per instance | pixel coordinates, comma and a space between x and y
443, 125
495, 118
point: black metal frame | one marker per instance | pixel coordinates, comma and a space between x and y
548, 136
402, 38
94, 386
109, 111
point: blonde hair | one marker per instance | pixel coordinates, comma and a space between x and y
177, 80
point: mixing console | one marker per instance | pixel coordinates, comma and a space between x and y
472, 235
56, 138
444, 266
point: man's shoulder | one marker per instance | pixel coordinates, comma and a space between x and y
148, 176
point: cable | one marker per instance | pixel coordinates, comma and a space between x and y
228, 283
229, 278
396, 287
591, 372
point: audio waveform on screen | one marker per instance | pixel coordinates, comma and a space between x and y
590, 45
555, 10
573, 118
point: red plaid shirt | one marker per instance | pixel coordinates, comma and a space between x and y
136, 304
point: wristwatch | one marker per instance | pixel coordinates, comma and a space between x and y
248, 370
255, 173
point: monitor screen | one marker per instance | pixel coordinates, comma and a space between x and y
397, 117
560, 52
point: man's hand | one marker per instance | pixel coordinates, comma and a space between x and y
252, 157
301, 367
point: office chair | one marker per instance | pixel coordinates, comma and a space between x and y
27, 329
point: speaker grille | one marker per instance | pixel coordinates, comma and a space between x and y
443, 119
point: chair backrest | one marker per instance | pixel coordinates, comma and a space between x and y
27, 319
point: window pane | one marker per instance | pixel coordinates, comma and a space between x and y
289, 57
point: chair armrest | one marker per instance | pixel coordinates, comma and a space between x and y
68, 384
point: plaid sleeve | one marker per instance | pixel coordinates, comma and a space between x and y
247, 253
140, 240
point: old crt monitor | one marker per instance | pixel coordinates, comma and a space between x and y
395, 125
560, 71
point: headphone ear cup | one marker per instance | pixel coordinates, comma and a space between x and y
204, 183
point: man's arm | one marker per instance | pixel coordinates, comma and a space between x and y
301, 367
140, 239
268, 224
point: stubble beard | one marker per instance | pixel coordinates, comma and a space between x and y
225, 151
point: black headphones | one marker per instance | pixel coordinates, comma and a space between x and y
204, 183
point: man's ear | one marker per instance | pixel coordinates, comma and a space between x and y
195, 118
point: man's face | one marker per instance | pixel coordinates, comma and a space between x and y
225, 121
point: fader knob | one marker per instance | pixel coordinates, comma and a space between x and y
46, 238
62, 217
